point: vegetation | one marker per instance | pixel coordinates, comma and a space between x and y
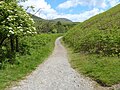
104, 70
99, 34
40, 47
98, 39
13, 1
62, 20
59, 25
21, 48
14, 24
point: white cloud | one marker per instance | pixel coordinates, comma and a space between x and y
113, 2
92, 3
81, 16
44, 7
74, 17
69, 3
47, 12
36, 3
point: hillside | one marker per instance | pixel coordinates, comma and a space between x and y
105, 22
62, 20
59, 25
96, 47
36, 18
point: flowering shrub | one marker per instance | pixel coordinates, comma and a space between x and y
14, 23
14, 20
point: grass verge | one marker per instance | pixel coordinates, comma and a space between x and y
41, 47
104, 70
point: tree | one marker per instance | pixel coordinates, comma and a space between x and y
14, 23
58, 24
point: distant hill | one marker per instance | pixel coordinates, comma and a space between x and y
48, 26
36, 17
62, 20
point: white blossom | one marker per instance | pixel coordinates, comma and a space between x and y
28, 32
11, 32
10, 28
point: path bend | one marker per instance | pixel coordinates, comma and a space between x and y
55, 74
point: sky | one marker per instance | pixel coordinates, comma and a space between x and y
74, 10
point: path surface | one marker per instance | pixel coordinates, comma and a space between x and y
55, 74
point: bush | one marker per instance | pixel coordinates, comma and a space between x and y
14, 23
104, 42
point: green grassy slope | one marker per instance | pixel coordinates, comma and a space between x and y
103, 23
96, 45
106, 20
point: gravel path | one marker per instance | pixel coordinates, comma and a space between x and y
55, 74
